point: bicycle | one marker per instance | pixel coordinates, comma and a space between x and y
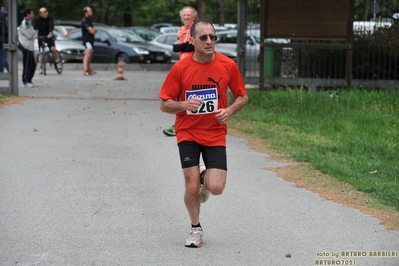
47, 57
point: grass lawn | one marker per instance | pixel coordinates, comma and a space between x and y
349, 135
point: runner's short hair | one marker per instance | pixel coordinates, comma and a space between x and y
201, 21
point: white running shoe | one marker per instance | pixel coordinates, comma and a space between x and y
194, 240
23, 85
30, 85
203, 193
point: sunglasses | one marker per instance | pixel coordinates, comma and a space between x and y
205, 37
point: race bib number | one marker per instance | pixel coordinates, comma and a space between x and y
210, 103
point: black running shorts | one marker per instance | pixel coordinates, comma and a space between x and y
50, 42
214, 157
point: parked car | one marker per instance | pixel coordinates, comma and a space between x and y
228, 40
173, 29
112, 44
369, 27
167, 40
227, 26
70, 50
145, 33
75, 23
284, 53
157, 26
176, 29
220, 28
64, 30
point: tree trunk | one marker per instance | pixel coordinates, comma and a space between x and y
366, 10
221, 12
127, 19
201, 9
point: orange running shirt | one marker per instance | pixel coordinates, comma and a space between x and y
184, 36
188, 75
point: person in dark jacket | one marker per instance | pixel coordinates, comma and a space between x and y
3, 40
44, 24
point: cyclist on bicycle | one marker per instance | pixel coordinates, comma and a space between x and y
44, 24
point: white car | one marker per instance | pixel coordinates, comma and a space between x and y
368, 27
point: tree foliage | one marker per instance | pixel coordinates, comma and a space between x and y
148, 12
135, 12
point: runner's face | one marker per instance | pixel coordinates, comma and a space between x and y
187, 17
206, 47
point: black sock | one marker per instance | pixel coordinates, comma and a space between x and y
202, 177
194, 226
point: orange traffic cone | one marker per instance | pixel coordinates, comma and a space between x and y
119, 75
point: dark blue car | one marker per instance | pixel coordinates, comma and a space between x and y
112, 44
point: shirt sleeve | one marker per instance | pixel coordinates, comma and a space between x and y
171, 87
237, 85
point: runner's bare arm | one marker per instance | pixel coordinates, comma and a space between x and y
173, 107
222, 115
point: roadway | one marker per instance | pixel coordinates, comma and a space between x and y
88, 178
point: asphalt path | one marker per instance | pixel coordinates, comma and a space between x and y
88, 178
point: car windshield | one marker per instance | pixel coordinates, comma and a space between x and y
58, 36
125, 36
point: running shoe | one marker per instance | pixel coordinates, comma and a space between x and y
23, 85
86, 73
30, 85
170, 132
194, 240
203, 193
92, 72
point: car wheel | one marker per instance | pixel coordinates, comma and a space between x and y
168, 61
124, 57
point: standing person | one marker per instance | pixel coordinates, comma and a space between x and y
188, 16
44, 24
195, 90
88, 32
26, 38
3, 40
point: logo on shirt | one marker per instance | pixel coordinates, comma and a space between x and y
216, 82
206, 86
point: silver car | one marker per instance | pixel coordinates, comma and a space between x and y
167, 40
70, 51
228, 40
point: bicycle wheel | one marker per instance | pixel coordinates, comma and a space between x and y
44, 59
59, 66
